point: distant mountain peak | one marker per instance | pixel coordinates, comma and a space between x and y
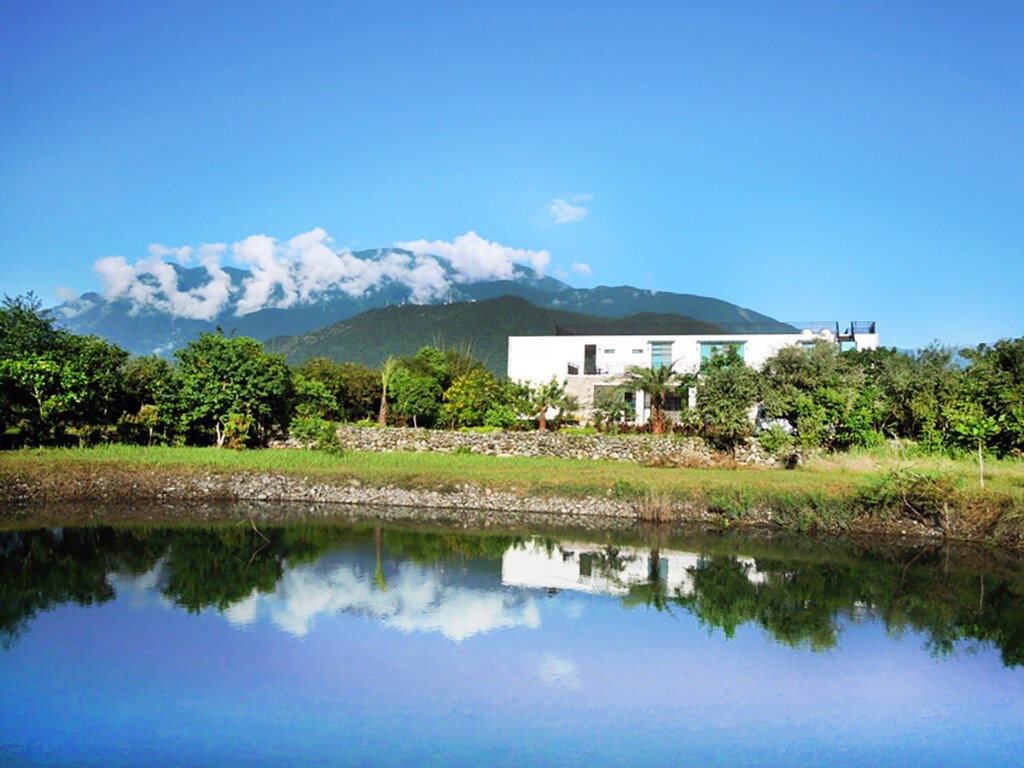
301, 285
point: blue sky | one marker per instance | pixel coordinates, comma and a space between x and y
810, 160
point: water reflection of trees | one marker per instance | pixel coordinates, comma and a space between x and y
803, 603
209, 567
798, 600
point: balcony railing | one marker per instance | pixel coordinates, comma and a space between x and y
618, 368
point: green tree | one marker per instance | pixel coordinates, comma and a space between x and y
416, 397
612, 407
821, 392
53, 382
417, 386
231, 388
727, 391
360, 396
658, 384
911, 391
332, 377
994, 379
470, 397
974, 428
26, 328
313, 399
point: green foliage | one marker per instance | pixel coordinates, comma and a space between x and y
924, 496
823, 393
658, 384
148, 392
995, 382
316, 432
579, 431
550, 396
231, 390
727, 391
313, 398
626, 490
776, 441
469, 398
54, 384
417, 398
140, 428
911, 390
733, 503
416, 386
501, 416
611, 408
360, 393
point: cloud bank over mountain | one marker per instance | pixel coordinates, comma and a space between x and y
301, 270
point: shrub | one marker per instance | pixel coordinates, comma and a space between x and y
316, 432
776, 441
924, 495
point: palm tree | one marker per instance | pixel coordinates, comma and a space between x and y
658, 384
387, 370
545, 396
378, 573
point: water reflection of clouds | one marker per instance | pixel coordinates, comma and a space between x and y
143, 588
558, 672
414, 599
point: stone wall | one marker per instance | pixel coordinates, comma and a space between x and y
686, 451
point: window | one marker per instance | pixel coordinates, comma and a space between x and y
609, 351
661, 354
709, 350
638, 351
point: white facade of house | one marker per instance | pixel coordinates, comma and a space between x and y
582, 567
589, 363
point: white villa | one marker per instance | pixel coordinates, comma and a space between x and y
591, 364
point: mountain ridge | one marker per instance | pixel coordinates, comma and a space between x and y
481, 328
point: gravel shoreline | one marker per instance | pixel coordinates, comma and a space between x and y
147, 495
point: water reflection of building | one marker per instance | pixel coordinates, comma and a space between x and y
609, 570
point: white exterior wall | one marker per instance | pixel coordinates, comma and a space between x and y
538, 359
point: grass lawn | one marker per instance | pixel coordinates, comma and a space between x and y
835, 476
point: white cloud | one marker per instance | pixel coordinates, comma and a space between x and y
474, 258
182, 255
581, 268
561, 211
300, 270
154, 283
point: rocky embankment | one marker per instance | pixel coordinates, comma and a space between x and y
115, 486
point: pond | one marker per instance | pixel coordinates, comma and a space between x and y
382, 643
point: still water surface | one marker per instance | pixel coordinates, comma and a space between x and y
372, 644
